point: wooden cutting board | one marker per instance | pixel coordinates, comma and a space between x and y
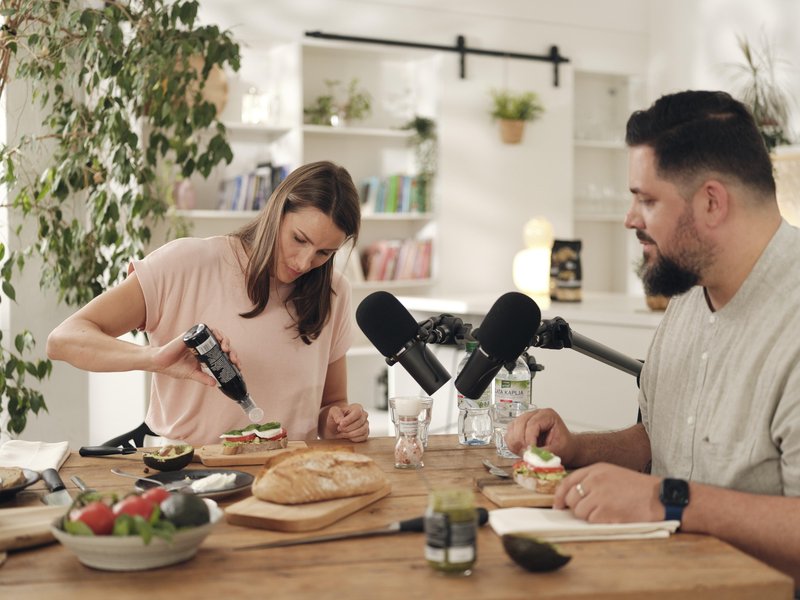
252, 512
511, 494
212, 456
27, 526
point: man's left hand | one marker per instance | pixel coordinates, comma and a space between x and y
605, 493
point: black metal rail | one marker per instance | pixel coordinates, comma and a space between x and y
461, 48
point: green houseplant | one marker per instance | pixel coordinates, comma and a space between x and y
118, 97
760, 91
424, 141
337, 107
512, 110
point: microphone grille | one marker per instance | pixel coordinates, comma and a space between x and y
509, 326
386, 322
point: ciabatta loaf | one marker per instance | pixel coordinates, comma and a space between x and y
310, 475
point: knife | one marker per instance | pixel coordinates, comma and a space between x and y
105, 450
417, 524
58, 495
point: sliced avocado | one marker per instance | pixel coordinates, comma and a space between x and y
185, 510
169, 458
533, 554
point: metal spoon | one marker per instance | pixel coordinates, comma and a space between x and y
494, 469
175, 485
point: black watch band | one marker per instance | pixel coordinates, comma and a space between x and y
674, 495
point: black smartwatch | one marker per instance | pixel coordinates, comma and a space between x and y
674, 495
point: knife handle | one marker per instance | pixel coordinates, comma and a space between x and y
418, 524
104, 450
52, 480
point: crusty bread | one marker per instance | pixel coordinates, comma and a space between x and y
11, 477
250, 447
310, 475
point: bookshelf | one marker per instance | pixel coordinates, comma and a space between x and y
602, 105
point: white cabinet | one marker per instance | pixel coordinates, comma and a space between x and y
603, 103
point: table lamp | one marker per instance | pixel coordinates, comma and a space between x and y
531, 267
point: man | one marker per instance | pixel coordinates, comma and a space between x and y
720, 389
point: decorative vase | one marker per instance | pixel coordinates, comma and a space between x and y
511, 130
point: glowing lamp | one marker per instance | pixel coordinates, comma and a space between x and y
531, 268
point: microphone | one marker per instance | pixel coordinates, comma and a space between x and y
506, 331
396, 335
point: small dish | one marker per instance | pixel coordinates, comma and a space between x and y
241, 482
130, 553
31, 477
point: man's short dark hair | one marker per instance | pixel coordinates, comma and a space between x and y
695, 132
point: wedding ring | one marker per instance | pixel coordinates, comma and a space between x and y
581, 491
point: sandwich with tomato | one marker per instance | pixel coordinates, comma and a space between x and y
254, 438
539, 470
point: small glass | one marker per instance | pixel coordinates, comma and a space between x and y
502, 415
408, 450
425, 413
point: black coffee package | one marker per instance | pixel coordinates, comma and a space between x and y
565, 271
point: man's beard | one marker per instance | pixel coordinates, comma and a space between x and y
670, 277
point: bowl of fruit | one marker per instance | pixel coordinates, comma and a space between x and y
137, 531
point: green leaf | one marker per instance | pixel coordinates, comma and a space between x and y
9, 291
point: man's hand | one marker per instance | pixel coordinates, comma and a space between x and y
544, 429
604, 493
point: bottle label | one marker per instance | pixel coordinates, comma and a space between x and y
205, 346
465, 403
449, 542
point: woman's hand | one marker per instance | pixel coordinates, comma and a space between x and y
348, 422
176, 360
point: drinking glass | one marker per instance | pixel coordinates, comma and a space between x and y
425, 413
502, 415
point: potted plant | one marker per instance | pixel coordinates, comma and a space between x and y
331, 109
121, 92
761, 92
513, 110
424, 141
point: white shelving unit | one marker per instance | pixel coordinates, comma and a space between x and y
603, 103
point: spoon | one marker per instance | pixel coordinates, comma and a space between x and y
175, 485
494, 469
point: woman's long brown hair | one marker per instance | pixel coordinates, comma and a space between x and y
328, 188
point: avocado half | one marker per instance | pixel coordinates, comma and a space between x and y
533, 554
169, 458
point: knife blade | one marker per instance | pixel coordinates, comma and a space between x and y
416, 524
58, 495
105, 450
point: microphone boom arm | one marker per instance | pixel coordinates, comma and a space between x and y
556, 334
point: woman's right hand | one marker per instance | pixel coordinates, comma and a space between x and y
176, 360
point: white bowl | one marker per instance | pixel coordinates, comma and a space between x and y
129, 553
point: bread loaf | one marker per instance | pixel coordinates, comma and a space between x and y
310, 475
11, 477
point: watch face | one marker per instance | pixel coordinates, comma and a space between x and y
675, 492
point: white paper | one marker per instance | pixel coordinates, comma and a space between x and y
36, 456
561, 526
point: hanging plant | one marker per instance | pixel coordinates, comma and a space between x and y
513, 110
119, 95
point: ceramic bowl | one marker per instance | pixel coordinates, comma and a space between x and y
129, 553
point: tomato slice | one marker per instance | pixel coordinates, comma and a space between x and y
557, 469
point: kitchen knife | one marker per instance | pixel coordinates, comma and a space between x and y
58, 495
81, 485
105, 450
417, 524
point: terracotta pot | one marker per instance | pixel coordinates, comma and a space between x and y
511, 131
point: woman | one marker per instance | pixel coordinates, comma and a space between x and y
270, 293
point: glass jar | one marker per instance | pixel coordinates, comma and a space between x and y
451, 529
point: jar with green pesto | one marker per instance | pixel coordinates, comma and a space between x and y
451, 528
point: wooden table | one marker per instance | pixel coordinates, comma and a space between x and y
683, 566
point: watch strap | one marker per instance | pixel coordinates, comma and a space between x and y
673, 512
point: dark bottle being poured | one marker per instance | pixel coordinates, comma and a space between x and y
229, 379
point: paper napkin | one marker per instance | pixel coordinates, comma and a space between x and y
36, 456
563, 526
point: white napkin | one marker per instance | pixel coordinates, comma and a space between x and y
562, 526
36, 456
